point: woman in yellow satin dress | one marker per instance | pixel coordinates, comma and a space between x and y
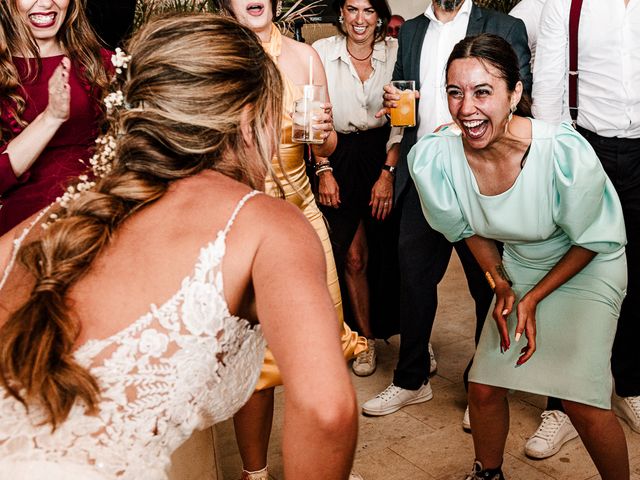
253, 421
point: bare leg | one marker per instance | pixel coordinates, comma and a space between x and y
489, 412
356, 280
603, 437
253, 429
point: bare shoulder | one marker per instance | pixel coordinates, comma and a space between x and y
298, 49
277, 218
261, 216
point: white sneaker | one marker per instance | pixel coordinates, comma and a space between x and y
628, 409
554, 431
433, 364
466, 420
257, 475
365, 362
393, 398
355, 476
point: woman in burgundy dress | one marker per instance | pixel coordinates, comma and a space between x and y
52, 76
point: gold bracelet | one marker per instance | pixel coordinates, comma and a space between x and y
490, 280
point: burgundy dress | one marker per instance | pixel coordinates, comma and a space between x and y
62, 159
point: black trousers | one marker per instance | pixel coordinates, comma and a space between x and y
620, 158
423, 257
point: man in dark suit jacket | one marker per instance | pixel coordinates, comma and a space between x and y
424, 253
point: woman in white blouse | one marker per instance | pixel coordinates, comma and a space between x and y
355, 186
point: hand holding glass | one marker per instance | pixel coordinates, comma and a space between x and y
404, 115
307, 111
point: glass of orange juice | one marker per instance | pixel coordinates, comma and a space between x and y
404, 115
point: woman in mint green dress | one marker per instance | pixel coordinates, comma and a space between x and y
541, 190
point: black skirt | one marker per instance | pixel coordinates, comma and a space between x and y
357, 163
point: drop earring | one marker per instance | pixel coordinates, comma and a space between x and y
512, 110
379, 24
278, 8
340, 19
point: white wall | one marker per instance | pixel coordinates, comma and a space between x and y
408, 8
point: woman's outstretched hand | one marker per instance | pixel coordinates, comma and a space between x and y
59, 106
505, 298
526, 324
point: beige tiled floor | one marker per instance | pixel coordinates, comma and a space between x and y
426, 441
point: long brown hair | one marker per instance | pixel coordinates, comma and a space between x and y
190, 84
77, 38
15, 39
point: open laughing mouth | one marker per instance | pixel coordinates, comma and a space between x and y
43, 20
475, 128
255, 9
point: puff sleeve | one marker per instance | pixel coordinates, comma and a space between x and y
586, 205
427, 166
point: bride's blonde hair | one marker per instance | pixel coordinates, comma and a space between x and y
190, 84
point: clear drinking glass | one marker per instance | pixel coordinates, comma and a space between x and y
404, 115
306, 110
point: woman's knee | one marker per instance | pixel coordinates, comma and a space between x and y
581, 414
485, 395
356, 262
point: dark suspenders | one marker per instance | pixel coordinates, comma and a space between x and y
574, 23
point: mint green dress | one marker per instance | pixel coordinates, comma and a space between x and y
562, 197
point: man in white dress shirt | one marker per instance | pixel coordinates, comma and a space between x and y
425, 43
609, 118
529, 12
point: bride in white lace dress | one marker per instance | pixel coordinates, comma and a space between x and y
131, 319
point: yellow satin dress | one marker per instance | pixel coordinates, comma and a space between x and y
297, 190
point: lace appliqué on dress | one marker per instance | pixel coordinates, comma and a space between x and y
183, 366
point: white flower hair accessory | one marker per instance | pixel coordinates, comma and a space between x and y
113, 100
102, 161
120, 60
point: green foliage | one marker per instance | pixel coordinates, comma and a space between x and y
145, 9
292, 10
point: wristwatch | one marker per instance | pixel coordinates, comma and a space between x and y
389, 168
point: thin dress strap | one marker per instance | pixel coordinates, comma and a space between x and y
17, 243
239, 206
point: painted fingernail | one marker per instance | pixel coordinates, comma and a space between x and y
518, 335
505, 311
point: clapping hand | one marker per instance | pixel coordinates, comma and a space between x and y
59, 105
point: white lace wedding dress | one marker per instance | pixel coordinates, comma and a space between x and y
183, 366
